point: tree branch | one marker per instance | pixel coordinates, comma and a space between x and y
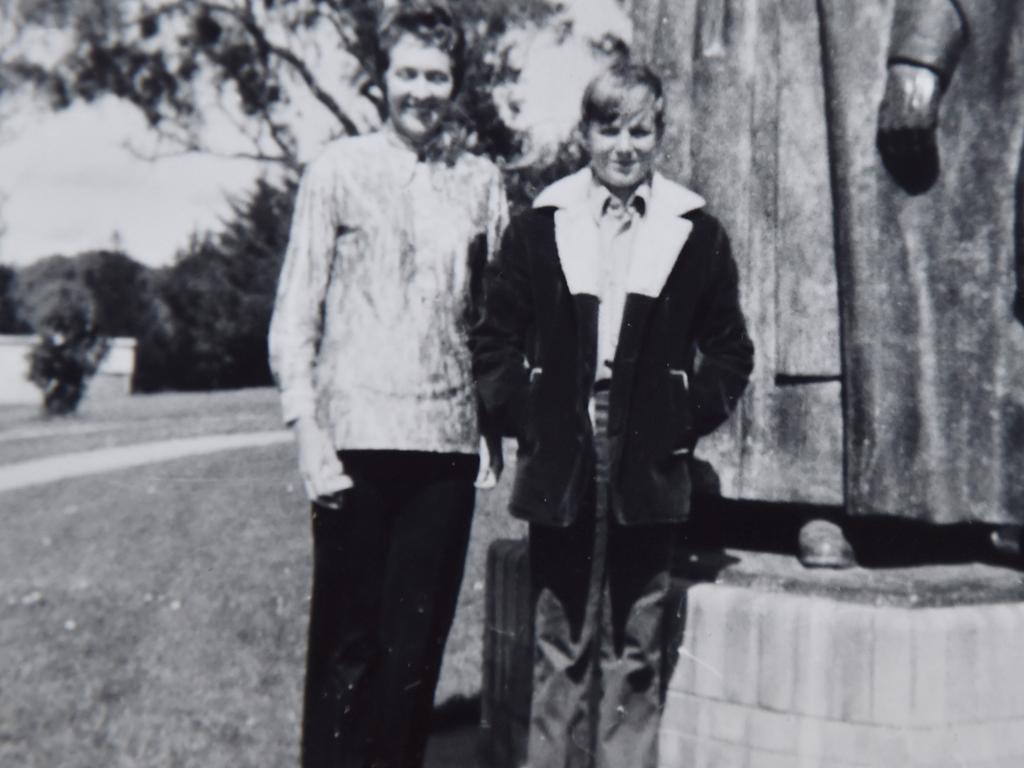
196, 149
297, 64
277, 134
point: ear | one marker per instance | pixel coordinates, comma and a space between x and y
659, 116
578, 140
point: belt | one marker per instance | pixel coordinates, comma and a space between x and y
602, 385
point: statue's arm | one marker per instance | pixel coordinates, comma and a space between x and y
924, 47
929, 34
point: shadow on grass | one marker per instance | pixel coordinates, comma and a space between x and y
455, 734
456, 712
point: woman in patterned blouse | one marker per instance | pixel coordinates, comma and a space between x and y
368, 344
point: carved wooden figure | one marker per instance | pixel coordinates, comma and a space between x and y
890, 369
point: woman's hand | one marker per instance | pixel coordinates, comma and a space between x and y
491, 463
321, 469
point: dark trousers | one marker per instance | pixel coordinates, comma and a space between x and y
601, 597
386, 573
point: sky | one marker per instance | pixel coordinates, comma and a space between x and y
69, 182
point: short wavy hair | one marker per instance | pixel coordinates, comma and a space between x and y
606, 98
430, 21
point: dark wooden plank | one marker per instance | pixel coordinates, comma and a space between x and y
934, 357
746, 130
807, 306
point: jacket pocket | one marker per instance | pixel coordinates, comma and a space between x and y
683, 435
528, 423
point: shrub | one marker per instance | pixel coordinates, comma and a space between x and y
69, 350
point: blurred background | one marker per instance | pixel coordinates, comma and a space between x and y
154, 547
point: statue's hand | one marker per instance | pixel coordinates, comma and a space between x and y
911, 101
907, 123
491, 462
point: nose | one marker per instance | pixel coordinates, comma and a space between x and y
419, 87
622, 143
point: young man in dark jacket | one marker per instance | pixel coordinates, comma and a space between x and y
596, 305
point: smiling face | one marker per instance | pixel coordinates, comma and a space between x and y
622, 149
419, 84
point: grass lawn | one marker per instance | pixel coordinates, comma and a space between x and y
25, 434
157, 617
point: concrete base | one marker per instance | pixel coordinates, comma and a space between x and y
773, 679
773, 665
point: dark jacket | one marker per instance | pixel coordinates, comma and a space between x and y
534, 354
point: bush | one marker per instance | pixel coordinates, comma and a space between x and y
9, 320
69, 350
220, 295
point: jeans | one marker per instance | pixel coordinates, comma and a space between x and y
601, 594
386, 573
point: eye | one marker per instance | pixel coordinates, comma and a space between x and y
640, 132
405, 73
437, 77
608, 131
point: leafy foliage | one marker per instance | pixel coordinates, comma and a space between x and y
260, 65
9, 319
267, 68
221, 294
123, 300
185, 64
70, 348
199, 324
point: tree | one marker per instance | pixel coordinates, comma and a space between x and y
275, 79
69, 350
269, 68
220, 294
128, 303
9, 320
123, 300
193, 67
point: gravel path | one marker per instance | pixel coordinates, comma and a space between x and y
68, 465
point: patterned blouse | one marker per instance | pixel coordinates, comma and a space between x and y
380, 283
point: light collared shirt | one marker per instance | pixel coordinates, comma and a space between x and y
617, 224
370, 326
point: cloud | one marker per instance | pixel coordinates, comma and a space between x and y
70, 184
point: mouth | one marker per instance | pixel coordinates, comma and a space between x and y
423, 108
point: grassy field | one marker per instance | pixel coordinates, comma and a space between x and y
24, 435
157, 617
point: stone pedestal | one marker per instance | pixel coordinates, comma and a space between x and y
776, 666
768, 679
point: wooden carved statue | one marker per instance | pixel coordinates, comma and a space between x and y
878, 247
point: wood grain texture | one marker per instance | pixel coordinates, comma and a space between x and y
746, 129
934, 359
508, 655
772, 114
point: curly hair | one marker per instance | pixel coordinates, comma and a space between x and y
430, 21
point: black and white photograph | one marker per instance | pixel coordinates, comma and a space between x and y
511, 383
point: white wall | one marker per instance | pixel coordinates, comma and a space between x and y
113, 379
